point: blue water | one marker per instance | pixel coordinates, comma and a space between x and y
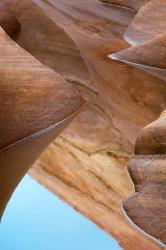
35, 219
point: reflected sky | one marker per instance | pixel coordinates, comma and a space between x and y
35, 219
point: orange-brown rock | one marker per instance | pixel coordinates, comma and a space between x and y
149, 56
8, 20
148, 23
133, 4
147, 207
86, 165
35, 106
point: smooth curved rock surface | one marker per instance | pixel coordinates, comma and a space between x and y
133, 4
8, 20
86, 164
36, 104
147, 207
148, 23
149, 56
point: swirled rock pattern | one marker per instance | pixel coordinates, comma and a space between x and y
133, 4
8, 20
143, 27
147, 207
35, 106
86, 164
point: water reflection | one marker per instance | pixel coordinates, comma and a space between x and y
37, 220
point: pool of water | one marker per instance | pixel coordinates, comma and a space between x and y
35, 219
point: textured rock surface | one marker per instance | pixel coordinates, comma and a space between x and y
36, 104
8, 20
147, 207
133, 4
86, 165
143, 27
